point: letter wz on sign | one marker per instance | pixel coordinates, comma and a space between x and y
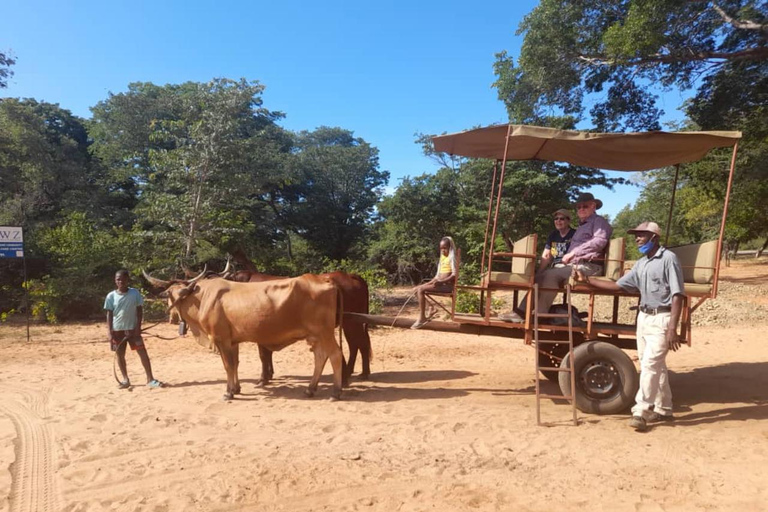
11, 242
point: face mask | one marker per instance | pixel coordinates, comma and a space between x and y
646, 247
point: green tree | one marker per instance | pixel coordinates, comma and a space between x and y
45, 167
421, 211
617, 49
454, 201
122, 128
83, 262
6, 61
46, 176
336, 185
619, 55
192, 163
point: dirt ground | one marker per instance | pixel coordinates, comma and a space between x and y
447, 422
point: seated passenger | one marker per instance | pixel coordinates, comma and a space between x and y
586, 255
558, 241
442, 282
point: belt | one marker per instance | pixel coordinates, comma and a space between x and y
655, 311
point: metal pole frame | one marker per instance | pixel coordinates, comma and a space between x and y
498, 198
672, 204
488, 218
725, 216
26, 285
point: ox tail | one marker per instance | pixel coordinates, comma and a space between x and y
367, 311
340, 316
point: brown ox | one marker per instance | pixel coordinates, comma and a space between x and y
354, 291
274, 314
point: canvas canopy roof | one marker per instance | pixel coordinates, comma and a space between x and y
612, 151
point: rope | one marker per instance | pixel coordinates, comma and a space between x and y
402, 308
125, 340
114, 359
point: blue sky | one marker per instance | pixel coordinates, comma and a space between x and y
383, 70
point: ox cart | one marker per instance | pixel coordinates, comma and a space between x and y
585, 358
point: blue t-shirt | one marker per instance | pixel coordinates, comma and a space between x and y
123, 307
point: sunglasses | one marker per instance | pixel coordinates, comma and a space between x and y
582, 207
562, 218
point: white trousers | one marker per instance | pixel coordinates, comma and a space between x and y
652, 348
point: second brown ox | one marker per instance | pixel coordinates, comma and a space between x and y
273, 314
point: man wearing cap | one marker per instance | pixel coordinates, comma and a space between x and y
558, 241
587, 251
659, 279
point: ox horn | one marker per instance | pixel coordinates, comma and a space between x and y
155, 281
224, 272
199, 277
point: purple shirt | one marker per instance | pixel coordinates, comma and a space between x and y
590, 240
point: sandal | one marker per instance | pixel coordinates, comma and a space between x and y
124, 385
420, 323
154, 383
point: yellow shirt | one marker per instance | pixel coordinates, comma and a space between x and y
444, 267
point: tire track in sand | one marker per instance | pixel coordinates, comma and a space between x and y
33, 473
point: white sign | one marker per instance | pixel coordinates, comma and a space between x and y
11, 242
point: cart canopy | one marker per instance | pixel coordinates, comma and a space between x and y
611, 151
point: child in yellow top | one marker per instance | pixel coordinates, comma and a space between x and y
442, 282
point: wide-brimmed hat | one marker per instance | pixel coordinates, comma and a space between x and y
585, 197
646, 227
562, 211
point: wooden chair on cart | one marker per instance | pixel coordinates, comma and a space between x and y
614, 268
435, 305
521, 275
699, 264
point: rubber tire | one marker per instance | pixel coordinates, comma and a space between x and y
561, 351
600, 351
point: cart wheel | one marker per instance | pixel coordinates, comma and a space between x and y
552, 360
606, 379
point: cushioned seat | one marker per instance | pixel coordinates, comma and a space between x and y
522, 268
614, 259
614, 266
509, 278
698, 261
697, 290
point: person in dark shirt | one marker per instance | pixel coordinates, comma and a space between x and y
558, 241
586, 252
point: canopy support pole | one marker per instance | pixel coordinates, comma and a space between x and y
725, 215
488, 218
672, 204
498, 198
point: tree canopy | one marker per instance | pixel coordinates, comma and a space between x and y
6, 61
617, 50
180, 173
618, 56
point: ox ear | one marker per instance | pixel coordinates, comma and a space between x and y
187, 291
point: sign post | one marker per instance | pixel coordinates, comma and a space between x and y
12, 246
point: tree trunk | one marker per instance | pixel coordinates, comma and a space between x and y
290, 246
760, 250
195, 214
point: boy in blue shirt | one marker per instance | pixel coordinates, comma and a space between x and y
124, 315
